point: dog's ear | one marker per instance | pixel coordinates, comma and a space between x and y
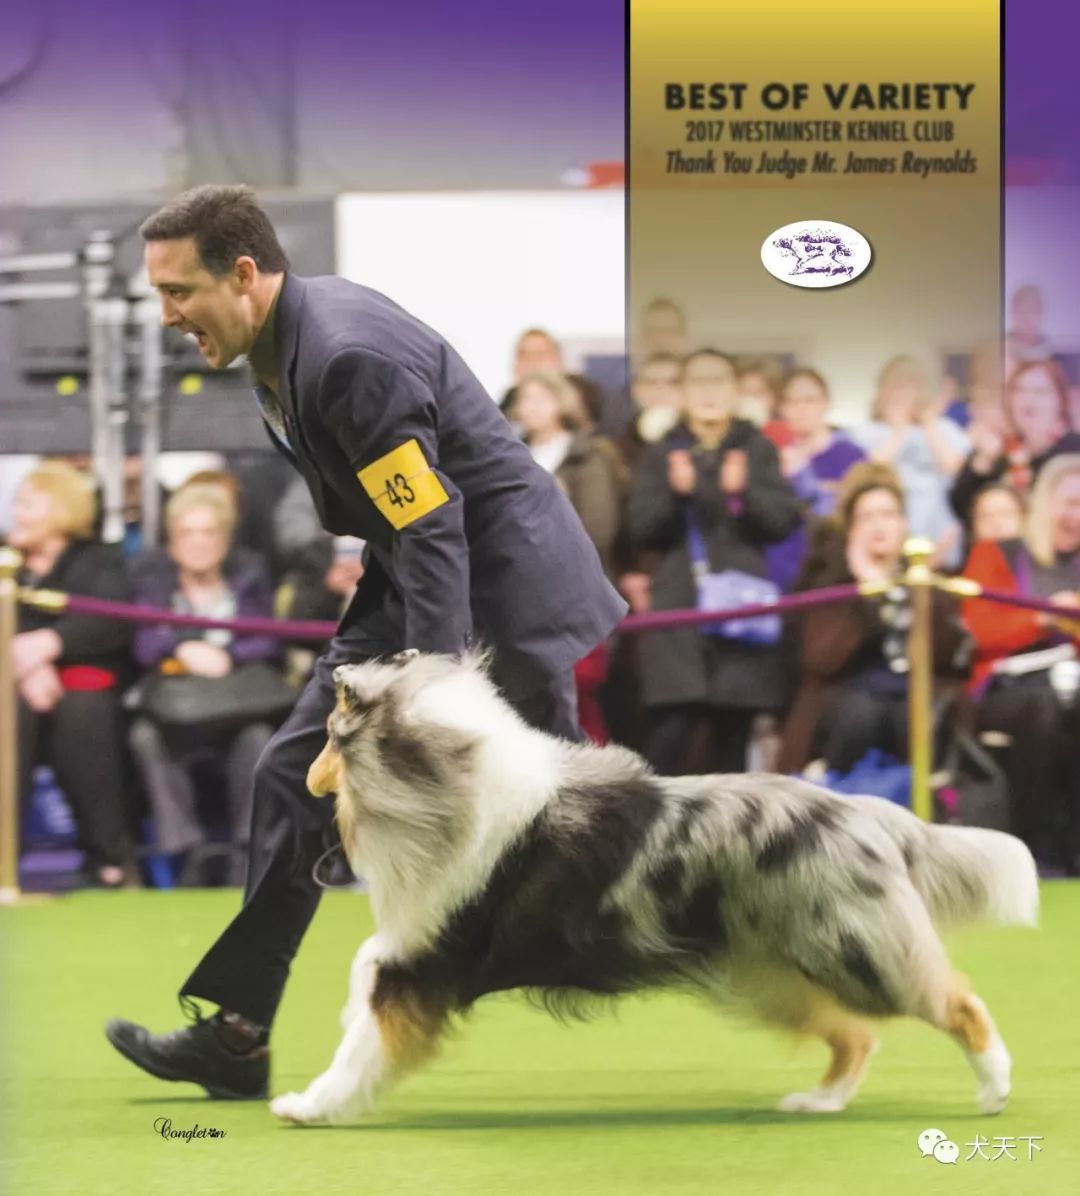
351, 697
405, 657
480, 658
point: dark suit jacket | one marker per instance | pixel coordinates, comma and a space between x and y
400, 445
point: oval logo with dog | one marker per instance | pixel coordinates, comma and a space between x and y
816, 254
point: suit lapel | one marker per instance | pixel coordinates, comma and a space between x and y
287, 343
287, 338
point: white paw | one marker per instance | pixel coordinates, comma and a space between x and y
993, 1068
993, 1097
297, 1107
811, 1102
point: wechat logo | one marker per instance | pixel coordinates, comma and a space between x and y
936, 1143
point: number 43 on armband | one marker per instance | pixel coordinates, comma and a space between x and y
398, 490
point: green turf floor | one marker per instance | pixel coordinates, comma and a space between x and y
666, 1097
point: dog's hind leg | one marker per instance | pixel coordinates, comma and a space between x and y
965, 1018
850, 1038
938, 995
852, 1042
783, 997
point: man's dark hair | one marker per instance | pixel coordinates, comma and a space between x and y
804, 371
662, 303
226, 223
708, 351
660, 359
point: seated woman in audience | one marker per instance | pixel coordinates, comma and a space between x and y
1042, 726
852, 656
1014, 443
814, 459
909, 433
198, 575
548, 409
713, 482
70, 668
998, 513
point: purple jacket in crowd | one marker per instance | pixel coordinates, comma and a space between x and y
155, 579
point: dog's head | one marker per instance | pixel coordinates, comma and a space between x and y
411, 722
400, 756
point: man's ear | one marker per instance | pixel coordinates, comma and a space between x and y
246, 273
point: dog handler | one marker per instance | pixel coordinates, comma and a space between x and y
469, 542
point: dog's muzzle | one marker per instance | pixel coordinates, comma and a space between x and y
323, 776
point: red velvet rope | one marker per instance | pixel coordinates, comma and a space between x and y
1040, 604
286, 629
300, 629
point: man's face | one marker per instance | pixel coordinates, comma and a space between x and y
1027, 312
663, 330
537, 354
657, 385
216, 311
709, 389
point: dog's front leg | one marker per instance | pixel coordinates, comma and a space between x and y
362, 978
346, 1090
396, 1026
333, 1096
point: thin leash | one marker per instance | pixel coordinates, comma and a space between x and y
348, 884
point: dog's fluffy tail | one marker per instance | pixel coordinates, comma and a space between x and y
969, 874
963, 873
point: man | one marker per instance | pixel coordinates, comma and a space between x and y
468, 542
662, 329
538, 352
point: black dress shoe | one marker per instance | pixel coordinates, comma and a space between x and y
197, 1055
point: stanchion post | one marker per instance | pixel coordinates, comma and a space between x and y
10, 561
919, 580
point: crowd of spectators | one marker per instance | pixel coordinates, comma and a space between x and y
716, 476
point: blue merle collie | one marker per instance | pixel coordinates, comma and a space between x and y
499, 857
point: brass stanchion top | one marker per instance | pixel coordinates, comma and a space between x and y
10, 562
44, 599
919, 552
963, 587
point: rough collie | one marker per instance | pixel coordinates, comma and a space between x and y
499, 857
